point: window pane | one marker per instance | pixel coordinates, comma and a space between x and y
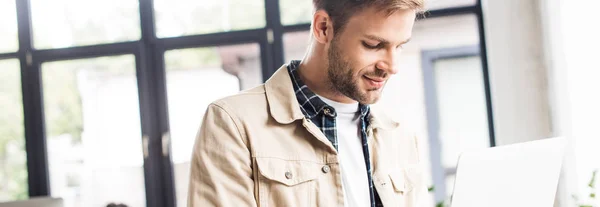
295, 12
93, 131
295, 45
462, 110
8, 23
195, 78
13, 158
188, 17
66, 23
442, 4
461, 107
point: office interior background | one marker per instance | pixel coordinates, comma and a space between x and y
100, 101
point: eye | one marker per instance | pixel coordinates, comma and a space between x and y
372, 47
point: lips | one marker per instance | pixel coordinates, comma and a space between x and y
374, 82
376, 79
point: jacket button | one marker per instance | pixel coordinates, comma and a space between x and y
326, 169
328, 112
288, 175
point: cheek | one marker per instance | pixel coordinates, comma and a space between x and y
367, 60
359, 59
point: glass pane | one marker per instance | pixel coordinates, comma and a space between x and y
93, 131
13, 158
442, 4
210, 74
461, 107
66, 23
8, 23
295, 45
295, 12
187, 17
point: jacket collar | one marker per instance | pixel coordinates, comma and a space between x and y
379, 119
284, 107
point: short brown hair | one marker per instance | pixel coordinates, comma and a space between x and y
341, 10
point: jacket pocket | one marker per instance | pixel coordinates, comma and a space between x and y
401, 182
286, 182
396, 188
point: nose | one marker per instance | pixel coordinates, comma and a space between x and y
388, 62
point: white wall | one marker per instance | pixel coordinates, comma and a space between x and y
517, 74
571, 42
543, 68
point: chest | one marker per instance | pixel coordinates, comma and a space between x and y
296, 165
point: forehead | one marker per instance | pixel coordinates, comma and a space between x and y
394, 27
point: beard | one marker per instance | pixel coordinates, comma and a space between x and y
343, 81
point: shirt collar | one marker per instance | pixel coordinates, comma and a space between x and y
310, 104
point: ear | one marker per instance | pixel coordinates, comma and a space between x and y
322, 27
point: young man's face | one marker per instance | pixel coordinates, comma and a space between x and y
362, 57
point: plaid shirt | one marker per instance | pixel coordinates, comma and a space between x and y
324, 116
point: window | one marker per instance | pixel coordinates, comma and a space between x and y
295, 45
93, 131
188, 17
296, 12
195, 78
13, 160
67, 23
204, 50
442, 4
454, 90
461, 106
8, 23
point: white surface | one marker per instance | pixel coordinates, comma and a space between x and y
517, 73
354, 169
519, 175
572, 59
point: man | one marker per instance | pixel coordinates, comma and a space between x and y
308, 136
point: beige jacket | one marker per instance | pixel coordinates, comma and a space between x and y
256, 148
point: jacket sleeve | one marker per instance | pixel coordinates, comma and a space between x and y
221, 165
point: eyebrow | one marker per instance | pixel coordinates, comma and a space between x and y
384, 41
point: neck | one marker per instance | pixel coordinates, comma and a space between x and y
313, 71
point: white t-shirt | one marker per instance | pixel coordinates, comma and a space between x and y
350, 153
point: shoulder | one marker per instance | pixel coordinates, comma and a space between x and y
247, 103
243, 99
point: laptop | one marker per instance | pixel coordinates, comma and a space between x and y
35, 202
518, 175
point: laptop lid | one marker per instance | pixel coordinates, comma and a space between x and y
518, 175
35, 202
